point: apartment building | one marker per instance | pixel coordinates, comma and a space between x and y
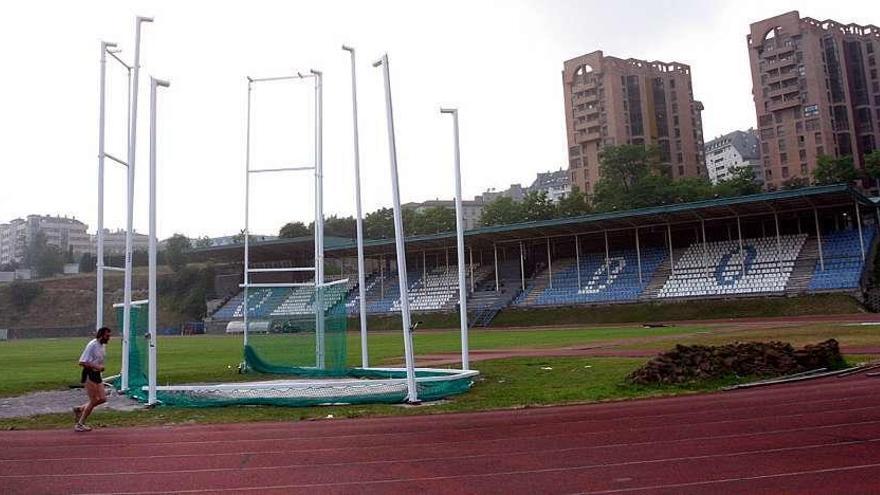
614, 101
731, 151
816, 91
68, 234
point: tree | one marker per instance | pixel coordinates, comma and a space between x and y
632, 177
239, 237
379, 224
22, 294
742, 181
537, 206
292, 230
50, 261
831, 170
689, 189
502, 211
340, 226
177, 251
795, 183
203, 242
436, 219
872, 166
573, 204
87, 263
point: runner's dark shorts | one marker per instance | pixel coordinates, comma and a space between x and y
91, 375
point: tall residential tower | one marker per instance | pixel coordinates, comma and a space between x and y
612, 101
816, 92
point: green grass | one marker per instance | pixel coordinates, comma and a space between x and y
45, 364
503, 383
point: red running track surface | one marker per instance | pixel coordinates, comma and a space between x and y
817, 437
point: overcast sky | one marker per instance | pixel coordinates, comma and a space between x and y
499, 62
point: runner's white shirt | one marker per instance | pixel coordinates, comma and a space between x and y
93, 354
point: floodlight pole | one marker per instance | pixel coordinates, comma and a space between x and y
132, 145
99, 250
247, 192
412, 391
459, 235
153, 296
362, 282
319, 219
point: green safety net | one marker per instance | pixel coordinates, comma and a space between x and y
283, 363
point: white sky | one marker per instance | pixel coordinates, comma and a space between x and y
499, 62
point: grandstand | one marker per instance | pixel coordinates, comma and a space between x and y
784, 242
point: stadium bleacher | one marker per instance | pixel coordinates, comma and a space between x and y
721, 268
842, 255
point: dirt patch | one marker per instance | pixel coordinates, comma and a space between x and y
60, 401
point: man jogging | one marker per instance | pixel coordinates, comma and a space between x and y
92, 362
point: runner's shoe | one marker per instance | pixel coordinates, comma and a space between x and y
80, 428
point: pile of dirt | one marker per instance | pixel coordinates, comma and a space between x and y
689, 363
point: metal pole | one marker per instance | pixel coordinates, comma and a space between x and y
132, 145
859, 224
319, 218
522, 266
99, 249
705, 256
247, 192
471, 265
459, 238
577, 257
549, 264
424, 268
446, 250
382, 277
819, 239
639, 255
742, 254
153, 296
412, 391
495, 253
362, 281
778, 243
607, 260
671, 253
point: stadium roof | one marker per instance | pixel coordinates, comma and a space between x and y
708, 210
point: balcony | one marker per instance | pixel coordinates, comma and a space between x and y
775, 106
783, 76
786, 90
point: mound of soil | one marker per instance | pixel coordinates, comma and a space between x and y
689, 363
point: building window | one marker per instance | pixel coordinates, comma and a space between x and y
783, 158
802, 154
680, 170
784, 172
768, 173
801, 141
803, 169
781, 144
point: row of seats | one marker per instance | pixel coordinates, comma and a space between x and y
761, 264
841, 265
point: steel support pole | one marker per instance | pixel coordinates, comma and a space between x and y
705, 255
459, 239
819, 239
362, 278
607, 258
577, 258
671, 253
412, 391
129, 234
99, 267
742, 253
639, 256
522, 266
424, 268
859, 224
319, 219
549, 264
471, 265
153, 243
247, 192
778, 243
495, 253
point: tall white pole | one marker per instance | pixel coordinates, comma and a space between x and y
412, 391
153, 296
639, 256
859, 224
132, 148
362, 279
459, 237
577, 259
819, 239
247, 192
495, 254
319, 217
522, 266
742, 253
549, 264
99, 249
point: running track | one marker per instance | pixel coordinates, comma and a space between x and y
814, 437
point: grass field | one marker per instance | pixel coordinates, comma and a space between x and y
503, 383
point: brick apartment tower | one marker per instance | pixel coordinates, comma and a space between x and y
816, 91
612, 101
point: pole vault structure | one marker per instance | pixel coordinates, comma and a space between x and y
459, 235
412, 391
133, 70
151, 319
317, 168
362, 283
